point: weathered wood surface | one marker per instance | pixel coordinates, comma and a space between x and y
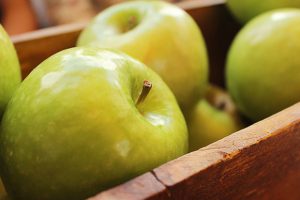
34, 47
145, 186
258, 162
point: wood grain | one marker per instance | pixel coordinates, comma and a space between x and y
259, 162
143, 187
34, 47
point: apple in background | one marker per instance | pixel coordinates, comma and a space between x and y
263, 64
245, 10
10, 75
213, 118
162, 36
85, 120
3, 195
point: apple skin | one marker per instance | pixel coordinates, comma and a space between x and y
10, 75
3, 194
263, 64
212, 119
162, 36
73, 129
245, 10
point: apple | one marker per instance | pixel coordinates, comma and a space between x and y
263, 64
10, 75
85, 120
245, 10
213, 118
3, 194
162, 36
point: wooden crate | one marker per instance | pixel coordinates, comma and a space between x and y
261, 161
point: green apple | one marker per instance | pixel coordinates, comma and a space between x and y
85, 120
162, 36
213, 118
245, 10
10, 75
263, 64
3, 194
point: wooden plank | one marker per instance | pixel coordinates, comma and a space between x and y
259, 162
143, 187
194, 4
218, 28
34, 47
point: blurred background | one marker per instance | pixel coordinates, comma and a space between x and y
20, 16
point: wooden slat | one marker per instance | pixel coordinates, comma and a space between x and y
259, 162
195, 4
218, 28
142, 187
34, 47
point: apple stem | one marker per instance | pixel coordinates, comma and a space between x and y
147, 85
132, 22
221, 105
